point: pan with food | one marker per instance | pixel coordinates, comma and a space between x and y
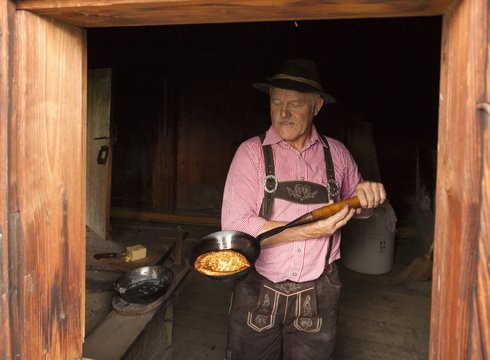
227, 255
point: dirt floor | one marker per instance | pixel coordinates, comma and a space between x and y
376, 320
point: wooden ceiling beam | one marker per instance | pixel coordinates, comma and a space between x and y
105, 13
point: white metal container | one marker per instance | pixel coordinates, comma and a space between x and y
368, 245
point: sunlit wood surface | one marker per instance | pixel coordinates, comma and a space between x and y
47, 190
103, 13
6, 15
460, 324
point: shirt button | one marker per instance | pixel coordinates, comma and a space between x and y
294, 274
302, 178
299, 250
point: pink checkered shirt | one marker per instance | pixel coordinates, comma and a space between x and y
297, 260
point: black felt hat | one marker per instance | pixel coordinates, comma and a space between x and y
299, 75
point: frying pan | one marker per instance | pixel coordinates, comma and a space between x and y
146, 284
249, 246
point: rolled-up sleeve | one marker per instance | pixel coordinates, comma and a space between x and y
243, 191
351, 177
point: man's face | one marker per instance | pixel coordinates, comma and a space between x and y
292, 114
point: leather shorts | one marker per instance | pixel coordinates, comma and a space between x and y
284, 320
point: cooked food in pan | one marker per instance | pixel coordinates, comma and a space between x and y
220, 263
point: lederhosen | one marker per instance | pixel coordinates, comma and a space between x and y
289, 307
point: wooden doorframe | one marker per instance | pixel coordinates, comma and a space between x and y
42, 194
460, 308
105, 13
7, 10
460, 312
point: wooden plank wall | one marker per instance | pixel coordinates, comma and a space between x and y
47, 189
460, 320
212, 107
145, 142
216, 123
164, 150
176, 135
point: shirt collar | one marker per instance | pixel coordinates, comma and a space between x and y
272, 137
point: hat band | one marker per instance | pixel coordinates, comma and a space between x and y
298, 79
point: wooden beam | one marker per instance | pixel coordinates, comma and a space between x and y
460, 309
107, 13
7, 14
168, 218
47, 189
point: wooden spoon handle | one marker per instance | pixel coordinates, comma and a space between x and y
325, 211
318, 214
329, 210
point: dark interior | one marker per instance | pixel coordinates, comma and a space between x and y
182, 101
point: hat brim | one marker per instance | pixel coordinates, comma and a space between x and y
265, 87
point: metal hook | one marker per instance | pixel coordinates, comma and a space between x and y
484, 107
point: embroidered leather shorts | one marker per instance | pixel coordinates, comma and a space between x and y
285, 320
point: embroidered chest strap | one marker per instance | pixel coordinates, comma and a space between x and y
303, 192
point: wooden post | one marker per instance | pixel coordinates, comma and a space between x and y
7, 11
460, 322
47, 189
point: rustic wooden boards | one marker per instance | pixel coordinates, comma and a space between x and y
99, 150
481, 304
47, 189
460, 327
97, 13
167, 218
461, 45
7, 11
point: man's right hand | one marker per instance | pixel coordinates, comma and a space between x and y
314, 230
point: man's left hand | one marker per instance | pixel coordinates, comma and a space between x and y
370, 194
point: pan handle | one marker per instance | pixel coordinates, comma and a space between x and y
325, 212
318, 214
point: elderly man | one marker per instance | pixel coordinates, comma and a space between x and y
286, 306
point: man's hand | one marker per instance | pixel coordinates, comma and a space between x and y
326, 227
370, 194
329, 226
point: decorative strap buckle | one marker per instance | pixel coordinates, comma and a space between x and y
275, 184
333, 188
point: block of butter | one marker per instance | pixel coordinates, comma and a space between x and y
135, 252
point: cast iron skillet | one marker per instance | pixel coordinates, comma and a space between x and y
249, 246
146, 284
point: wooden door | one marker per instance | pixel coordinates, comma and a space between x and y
99, 151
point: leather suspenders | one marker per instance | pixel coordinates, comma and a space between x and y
297, 191
270, 182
